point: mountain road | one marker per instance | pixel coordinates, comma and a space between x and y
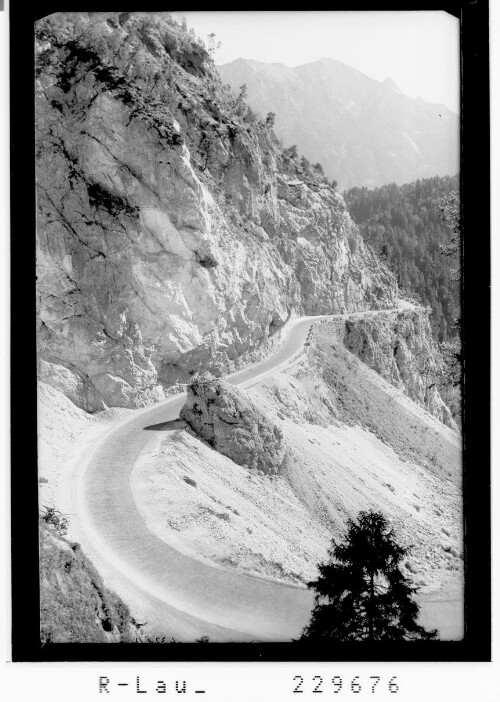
180, 596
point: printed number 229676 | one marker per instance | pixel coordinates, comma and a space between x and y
336, 684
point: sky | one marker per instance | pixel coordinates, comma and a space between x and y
419, 50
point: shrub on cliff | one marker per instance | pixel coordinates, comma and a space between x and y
75, 605
55, 519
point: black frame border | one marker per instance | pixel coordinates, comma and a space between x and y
476, 321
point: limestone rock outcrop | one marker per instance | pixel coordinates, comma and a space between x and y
399, 346
230, 421
174, 234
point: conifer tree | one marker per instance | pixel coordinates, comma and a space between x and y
305, 163
270, 119
361, 592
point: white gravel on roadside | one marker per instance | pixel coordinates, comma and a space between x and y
63, 428
280, 527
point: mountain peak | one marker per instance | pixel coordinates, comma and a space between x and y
241, 61
389, 83
334, 63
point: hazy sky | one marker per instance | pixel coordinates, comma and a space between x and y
420, 50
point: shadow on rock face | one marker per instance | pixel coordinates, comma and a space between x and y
232, 424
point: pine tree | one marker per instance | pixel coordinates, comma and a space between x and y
242, 95
305, 164
361, 592
270, 119
212, 45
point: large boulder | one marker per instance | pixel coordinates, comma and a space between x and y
228, 420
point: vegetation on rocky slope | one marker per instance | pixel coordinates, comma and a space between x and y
75, 605
404, 224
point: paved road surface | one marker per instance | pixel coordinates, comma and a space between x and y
180, 596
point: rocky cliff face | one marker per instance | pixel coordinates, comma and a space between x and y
399, 346
230, 421
173, 233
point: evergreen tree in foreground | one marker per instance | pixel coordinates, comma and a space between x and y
361, 593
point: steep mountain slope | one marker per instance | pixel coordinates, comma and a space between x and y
173, 233
75, 605
362, 131
400, 347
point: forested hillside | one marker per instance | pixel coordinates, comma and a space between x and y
404, 225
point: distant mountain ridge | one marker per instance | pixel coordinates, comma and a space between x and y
363, 132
